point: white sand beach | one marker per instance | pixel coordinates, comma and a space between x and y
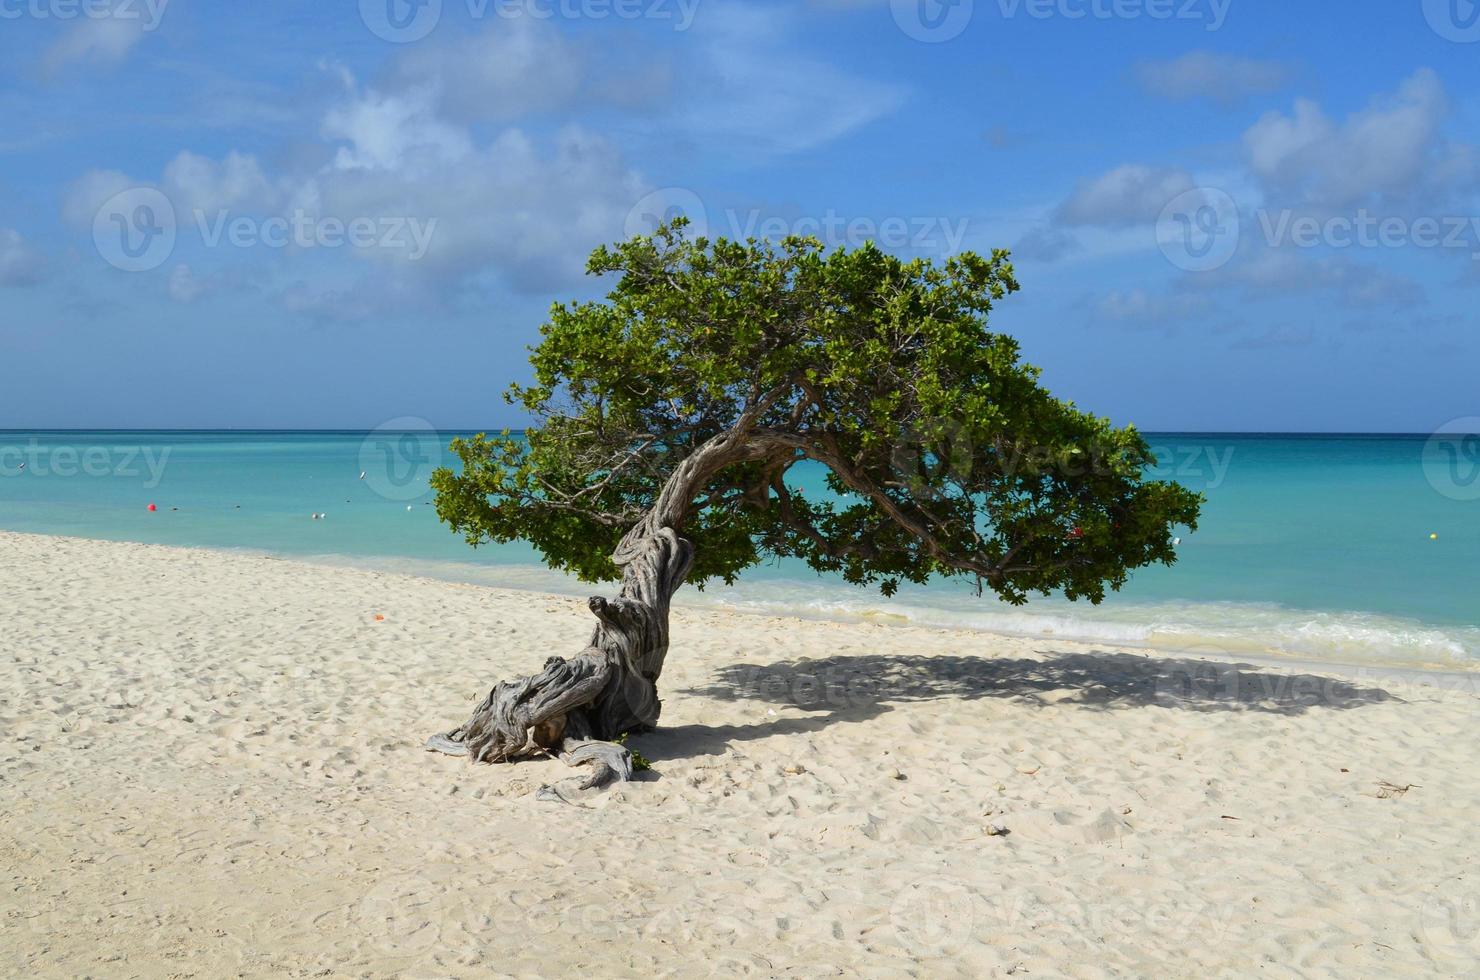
213, 767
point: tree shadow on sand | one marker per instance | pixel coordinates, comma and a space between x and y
857, 688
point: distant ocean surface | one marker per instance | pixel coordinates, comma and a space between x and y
1317, 547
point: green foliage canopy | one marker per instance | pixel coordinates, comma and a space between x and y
945, 456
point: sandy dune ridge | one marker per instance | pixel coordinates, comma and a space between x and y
213, 767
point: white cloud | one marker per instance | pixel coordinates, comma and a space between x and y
751, 93
20, 264
395, 131
1140, 305
530, 208
1222, 78
504, 204
85, 195
100, 41
196, 182
185, 286
1127, 195
521, 66
1391, 158
516, 208
1392, 152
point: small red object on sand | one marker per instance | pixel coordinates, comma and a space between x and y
379, 618
152, 508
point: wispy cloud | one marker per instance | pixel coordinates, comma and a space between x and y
752, 92
102, 36
1225, 79
1128, 195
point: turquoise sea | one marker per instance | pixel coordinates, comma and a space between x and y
1313, 546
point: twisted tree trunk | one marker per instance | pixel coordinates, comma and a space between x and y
575, 707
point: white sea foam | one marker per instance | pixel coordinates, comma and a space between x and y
1215, 628
1209, 628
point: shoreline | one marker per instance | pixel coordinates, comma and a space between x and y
1431, 673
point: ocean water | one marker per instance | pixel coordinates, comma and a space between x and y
1355, 549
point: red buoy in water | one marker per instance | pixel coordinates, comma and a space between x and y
152, 508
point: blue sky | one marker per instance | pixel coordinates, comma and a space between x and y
1225, 215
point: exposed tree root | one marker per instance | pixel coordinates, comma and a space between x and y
575, 707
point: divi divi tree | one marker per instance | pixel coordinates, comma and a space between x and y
667, 417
